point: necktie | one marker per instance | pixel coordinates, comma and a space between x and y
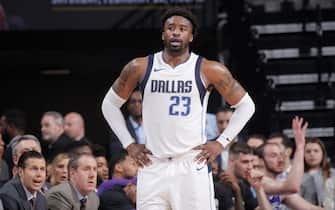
83, 204
32, 202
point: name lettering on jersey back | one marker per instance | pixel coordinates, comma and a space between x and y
171, 86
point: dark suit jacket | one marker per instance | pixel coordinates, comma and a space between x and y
9, 203
14, 189
59, 146
64, 197
115, 199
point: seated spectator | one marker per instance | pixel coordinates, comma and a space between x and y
273, 155
317, 171
52, 129
23, 144
100, 157
288, 145
255, 141
78, 193
4, 171
284, 190
74, 126
234, 191
25, 188
119, 192
58, 169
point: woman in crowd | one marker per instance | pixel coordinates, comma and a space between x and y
318, 174
58, 170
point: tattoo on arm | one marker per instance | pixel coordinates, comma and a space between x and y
234, 89
121, 81
229, 87
226, 82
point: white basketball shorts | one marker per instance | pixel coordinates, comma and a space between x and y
175, 183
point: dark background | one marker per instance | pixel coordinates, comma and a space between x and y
65, 57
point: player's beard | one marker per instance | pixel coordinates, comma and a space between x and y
175, 49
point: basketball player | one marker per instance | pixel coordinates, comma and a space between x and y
175, 84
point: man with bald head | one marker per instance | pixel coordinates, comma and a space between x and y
74, 126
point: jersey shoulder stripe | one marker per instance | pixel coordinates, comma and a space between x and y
147, 73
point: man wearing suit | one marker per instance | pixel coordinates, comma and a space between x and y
78, 193
25, 188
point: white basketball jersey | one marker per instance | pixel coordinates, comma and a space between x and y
174, 106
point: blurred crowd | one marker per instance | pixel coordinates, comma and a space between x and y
66, 170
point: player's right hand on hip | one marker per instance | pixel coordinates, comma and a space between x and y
140, 154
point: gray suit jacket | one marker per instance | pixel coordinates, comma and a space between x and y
312, 188
64, 197
14, 189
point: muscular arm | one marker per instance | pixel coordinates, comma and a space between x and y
218, 76
129, 78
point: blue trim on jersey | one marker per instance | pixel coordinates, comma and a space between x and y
147, 73
200, 85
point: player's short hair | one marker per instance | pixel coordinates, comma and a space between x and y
183, 12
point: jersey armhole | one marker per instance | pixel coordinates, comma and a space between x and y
144, 81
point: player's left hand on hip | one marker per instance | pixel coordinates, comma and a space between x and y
140, 154
208, 151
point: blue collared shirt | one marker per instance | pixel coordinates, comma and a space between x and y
79, 195
139, 131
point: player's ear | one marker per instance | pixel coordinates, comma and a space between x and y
163, 35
